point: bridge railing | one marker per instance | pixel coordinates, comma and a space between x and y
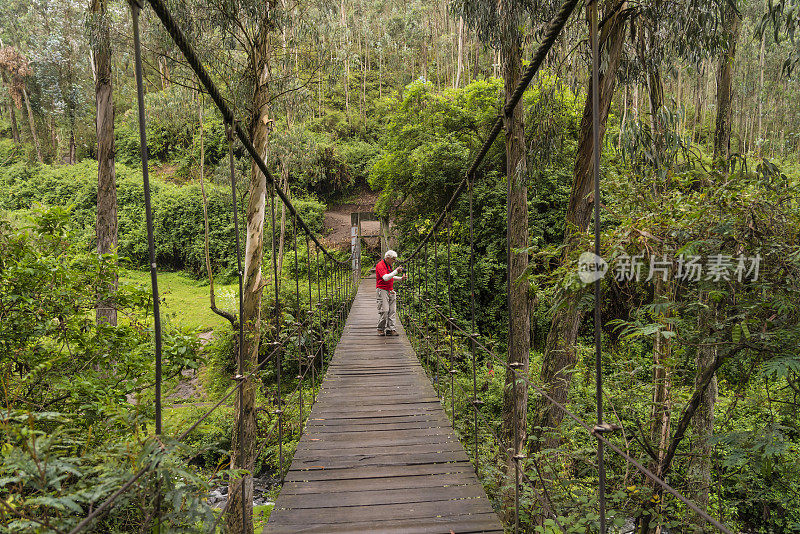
431, 320
307, 337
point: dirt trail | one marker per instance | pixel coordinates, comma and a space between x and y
337, 220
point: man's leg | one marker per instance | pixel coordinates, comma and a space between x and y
392, 311
383, 308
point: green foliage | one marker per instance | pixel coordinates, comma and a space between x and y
429, 138
70, 437
170, 136
177, 212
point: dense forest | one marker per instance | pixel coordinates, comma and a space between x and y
699, 226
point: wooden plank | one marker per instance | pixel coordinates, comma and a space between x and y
320, 451
377, 484
387, 512
382, 497
390, 438
378, 460
367, 473
483, 523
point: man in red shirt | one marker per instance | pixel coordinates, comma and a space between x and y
384, 281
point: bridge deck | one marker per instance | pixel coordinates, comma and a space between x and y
379, 454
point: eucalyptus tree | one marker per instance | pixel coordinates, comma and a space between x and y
731, 20
560, 356
106, 227
247, 31
500, 24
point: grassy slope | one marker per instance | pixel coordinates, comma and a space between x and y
185, 301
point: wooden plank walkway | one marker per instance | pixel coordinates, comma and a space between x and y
379, 453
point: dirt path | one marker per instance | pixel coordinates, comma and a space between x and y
337, 220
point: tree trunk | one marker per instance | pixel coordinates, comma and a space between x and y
722, 132
760, 96
559, 356
477, 65
364, 83
72, 157
239, 518
14, 126
679, 100
346, 47
655, 84
54, 137
32, 125
460, 66
515, 393
106, 229
660, 416
624, 117
703, 421
93, 66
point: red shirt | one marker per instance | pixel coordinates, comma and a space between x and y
381, 269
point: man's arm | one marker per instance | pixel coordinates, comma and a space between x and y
393, 275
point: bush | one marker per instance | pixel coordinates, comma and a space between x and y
177, 211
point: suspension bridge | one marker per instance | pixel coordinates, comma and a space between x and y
379, 454
378, 451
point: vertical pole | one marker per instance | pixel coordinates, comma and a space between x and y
414, 302
472, 322
592, 7
436, 310
310, 313
450, 325
326, 274
298, 322
355, 253
240, 342
137, 46
516, 458
321, 326
427, 301
277, 342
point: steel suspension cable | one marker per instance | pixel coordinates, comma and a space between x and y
436, 308
297, 316
551, 33
154, 463
427, 301
200, 71
151, 250
135, 9
594, 432
310, 313
321, 325
545, 499
472, 323
240, 342
450, 320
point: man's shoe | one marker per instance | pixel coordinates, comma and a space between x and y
381, 333
392, 333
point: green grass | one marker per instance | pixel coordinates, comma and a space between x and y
185, 301
261, 516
